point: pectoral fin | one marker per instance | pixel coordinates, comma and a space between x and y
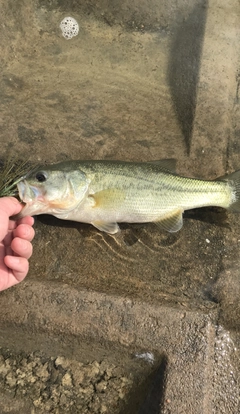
111, 228
171, 222
109, 198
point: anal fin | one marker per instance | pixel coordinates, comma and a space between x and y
111, 228
172, 222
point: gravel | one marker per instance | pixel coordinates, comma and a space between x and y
61, 385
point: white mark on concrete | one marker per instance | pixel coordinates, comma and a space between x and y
146, 356
69, 27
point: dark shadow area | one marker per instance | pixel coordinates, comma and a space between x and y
53, 221
212, 215
148, 398
184, 65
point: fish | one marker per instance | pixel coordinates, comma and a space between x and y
105, 193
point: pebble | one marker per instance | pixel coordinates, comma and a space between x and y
63, 385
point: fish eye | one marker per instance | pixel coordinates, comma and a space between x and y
41, 176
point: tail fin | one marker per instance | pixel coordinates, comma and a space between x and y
234, 181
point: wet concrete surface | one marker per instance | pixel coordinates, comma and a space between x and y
133, 85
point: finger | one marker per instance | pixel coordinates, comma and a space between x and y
26, 220
22, 248
7, 280
19, 267
24, 231
7, 243
11, 224
10, 206
2, 255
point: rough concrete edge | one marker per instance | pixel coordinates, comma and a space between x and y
219, 61
130, 323
104, 314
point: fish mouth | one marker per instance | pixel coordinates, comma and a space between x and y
21, 190
27, 193
35, 203
31, 198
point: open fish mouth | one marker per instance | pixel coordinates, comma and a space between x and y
35, 202
31, 199
21, 190
27, 193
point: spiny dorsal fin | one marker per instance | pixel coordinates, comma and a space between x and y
166, 164
172, 221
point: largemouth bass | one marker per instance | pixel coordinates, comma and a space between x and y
105, 193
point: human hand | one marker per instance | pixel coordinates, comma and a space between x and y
15, 243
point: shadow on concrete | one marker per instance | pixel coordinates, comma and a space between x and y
184, 65
148, 398
211, 215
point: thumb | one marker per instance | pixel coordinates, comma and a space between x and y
9, 206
